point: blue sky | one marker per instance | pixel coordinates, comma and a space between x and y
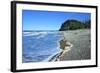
47, 20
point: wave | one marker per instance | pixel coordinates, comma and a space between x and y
40, 46
41, 57
53, 56
34, 33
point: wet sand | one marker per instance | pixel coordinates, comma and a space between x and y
80, 45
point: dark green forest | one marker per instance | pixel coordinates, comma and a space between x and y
75, 24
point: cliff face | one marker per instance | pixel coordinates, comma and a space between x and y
73, 25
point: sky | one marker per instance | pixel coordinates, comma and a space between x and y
49, 20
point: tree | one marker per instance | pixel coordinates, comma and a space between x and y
72, 25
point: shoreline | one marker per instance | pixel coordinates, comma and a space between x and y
67, 48
81, 45
64, 45
77, 45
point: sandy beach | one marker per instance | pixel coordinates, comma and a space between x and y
81, 45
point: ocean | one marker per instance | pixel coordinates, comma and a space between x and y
40, 46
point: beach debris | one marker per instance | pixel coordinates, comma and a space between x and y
65, 46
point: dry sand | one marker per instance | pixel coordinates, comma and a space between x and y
81, 49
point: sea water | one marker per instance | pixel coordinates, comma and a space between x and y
40, 46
